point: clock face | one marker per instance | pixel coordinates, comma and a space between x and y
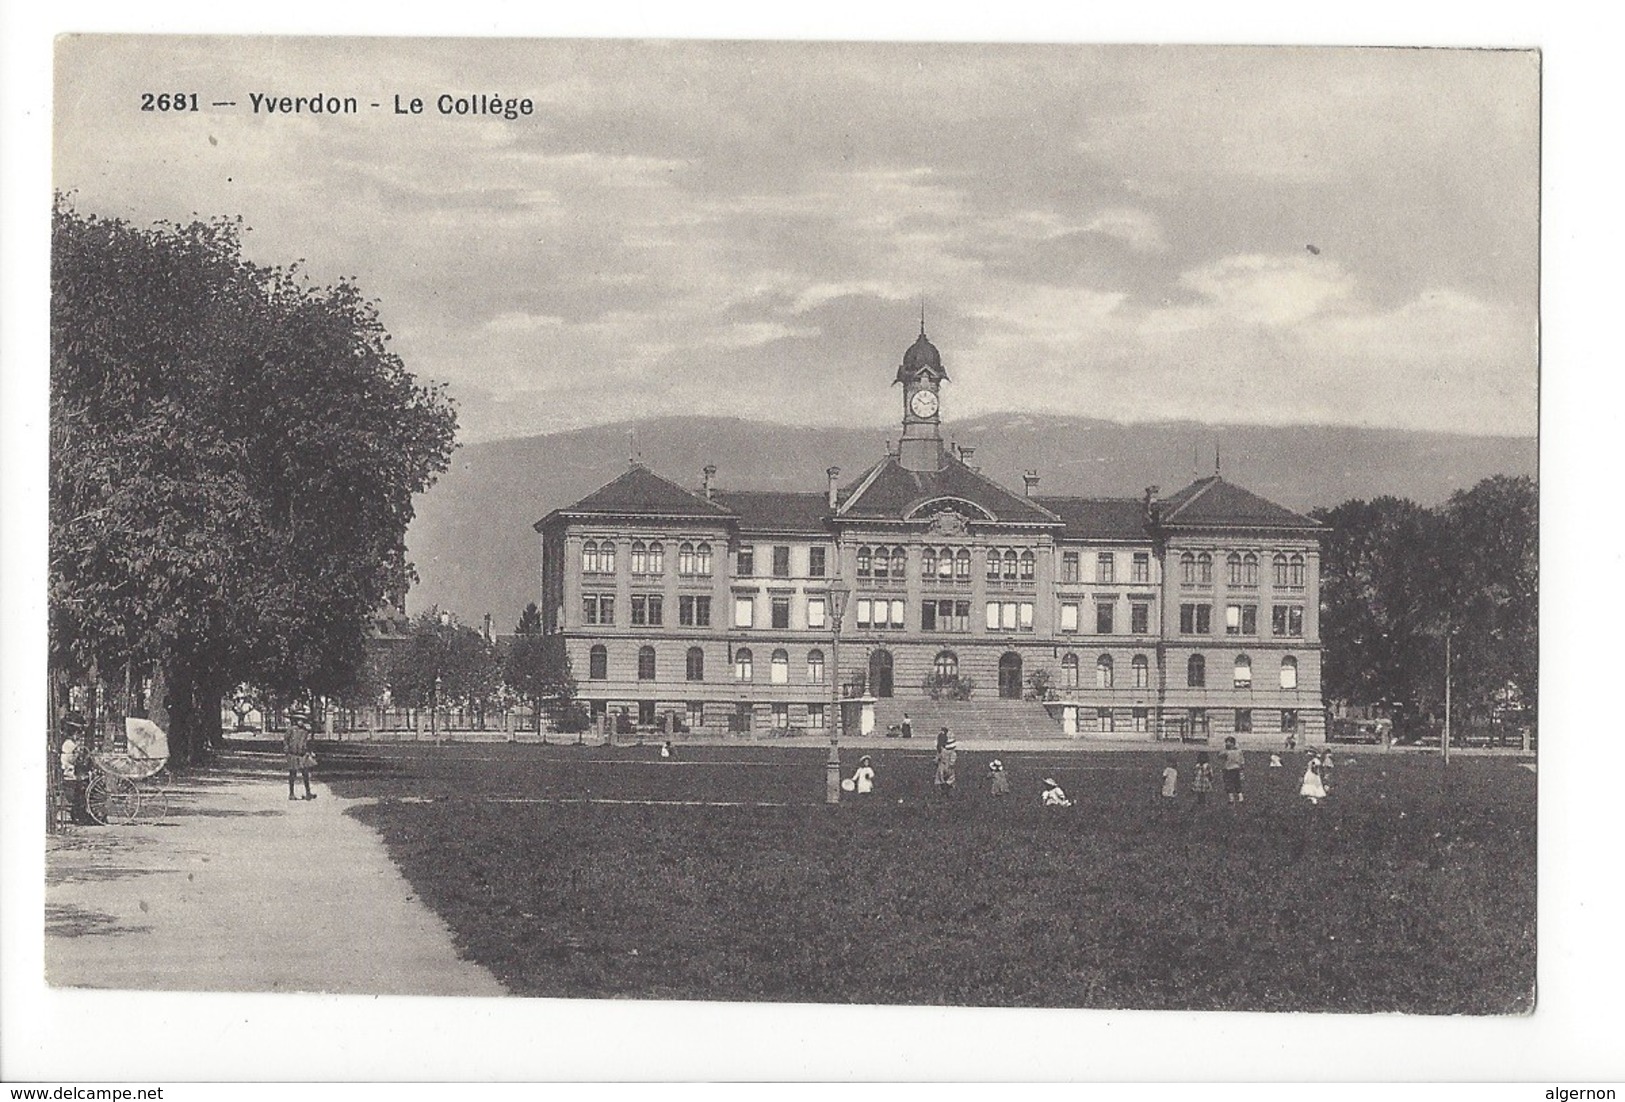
924, 403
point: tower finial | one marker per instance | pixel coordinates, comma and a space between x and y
922, 313
1215, 458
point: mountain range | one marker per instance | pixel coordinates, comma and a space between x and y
476, 553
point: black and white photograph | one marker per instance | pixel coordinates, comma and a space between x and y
661, 526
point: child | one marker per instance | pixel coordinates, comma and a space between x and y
1232, 771
1326, 769
947, 761
1275, 761
665, 749
999, 779
1202, 781
1312, 786
296, 746
863, 781
1170, 776
1053, 796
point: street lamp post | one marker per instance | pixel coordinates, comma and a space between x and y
1446, 737
832, 769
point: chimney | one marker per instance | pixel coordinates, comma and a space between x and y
490, 632
1031, 478
965, 454
833, 473
1153, 507
706, 482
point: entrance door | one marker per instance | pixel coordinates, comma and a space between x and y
880, 673
1010, 676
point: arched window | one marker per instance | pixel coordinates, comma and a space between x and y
702, 559
815, 667
781, 667
1296, 579
598, 663
945, 563
962, 565
946, 664
899, 562
928, 562
1249, 569
882, 563
1187, 568
685, 559
864, 562
1069, 671
1012, 563
696, 664
1233, 562
646, 663
1204, 568
1244, 672
742, 664
992, 564
1142, 672
1289, 672
589, 557
1029, 564
1103, 672
1196, 672
1279, 563
657, 558
640, 557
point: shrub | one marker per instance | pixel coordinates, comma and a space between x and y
948, 686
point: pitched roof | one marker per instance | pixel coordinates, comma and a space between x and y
641, 492
1214, 503
890, 491
777, 510
1110, 518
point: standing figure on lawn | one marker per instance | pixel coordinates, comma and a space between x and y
296, 745
1202, 778
1053, 795
908, 726
1313, 787
1170, 776
1232, 771
863, 781
1326, 769
998, 779
947, 765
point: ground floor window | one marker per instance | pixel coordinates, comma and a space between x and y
598, 709
1289, 721
1142, 719
739, 721
598, 663
1104, 721
696, 715
946, 664
815, 716
781, 716
1244, 720
646, 713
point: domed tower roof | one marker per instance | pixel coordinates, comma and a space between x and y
922, 356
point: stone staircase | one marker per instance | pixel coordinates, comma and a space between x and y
994, 721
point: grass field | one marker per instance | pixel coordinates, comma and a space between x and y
1406, 891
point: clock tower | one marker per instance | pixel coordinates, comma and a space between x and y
922, 377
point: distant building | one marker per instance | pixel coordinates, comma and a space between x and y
1190, 616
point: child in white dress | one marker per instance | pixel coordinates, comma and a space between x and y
1053, 794
1312, 787
863, 781
1170, 776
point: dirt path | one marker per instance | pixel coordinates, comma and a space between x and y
239, 889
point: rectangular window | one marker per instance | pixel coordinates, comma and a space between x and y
744, 611
747, 561
781, 612
781, 717
1241, 620
1105, 722
815, 562
640, 611
1069, 616
1069, 567
646, 713
1139, 617
815, 612
694, 612
1026, 616
928, 616
685, 611
815, 717
1244, 720
993, 616
598, 609
1195, 619
1289, 721
961, 621
1103, 617
781, 562
1142, 720
865, 607
656, 610
1286, 620
1007, 616
898, 619
1141, 571
696, 715
1105, 567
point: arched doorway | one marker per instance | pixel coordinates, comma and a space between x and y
1010, 675
880, 673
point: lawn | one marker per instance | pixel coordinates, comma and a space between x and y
1408, 890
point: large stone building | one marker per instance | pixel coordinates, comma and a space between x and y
1190, 616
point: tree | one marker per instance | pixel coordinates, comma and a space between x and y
233, 457
443, 662
537, 669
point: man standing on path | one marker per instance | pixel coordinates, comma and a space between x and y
908, 726
296, 744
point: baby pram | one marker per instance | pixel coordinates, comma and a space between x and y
133, 784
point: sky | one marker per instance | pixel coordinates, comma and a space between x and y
1279, 235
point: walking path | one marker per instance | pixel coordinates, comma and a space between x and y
239, 889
